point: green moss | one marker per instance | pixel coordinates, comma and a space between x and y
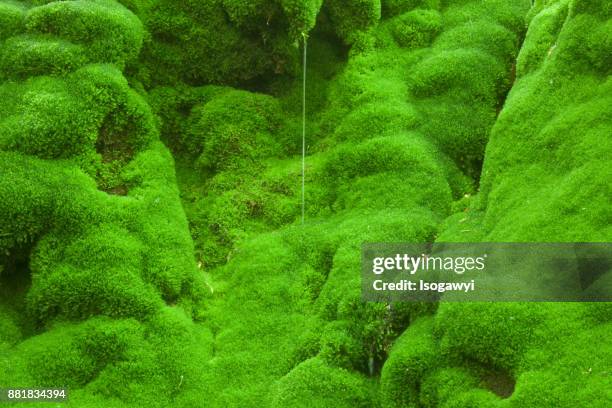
11, 19
584, 44
109, 32
392, 8
339, 348
302, 15
446, 384
490, 334
70, 284
489, 36
541, 38
413, 355
378, 159
31, 56
90, 117
11, 333
134, 283
224, 42
509, 15
321, 386
235, 130
385, 119
352, 18
193, 42
458, 68
564, 118
543, 180
578, 360
373, 145
416, 28
67, 129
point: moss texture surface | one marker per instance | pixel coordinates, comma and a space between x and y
151, 249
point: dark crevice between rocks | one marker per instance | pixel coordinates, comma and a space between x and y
512, 74
327, 55
15, 282
472, 168
501, 103
322, 267
115, 151
172, 298
504, 96
396, 321
500, 382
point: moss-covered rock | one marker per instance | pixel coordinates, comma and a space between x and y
235, 130
352, 18
416, 28
413, 355
97, 262
224, 41
322, 386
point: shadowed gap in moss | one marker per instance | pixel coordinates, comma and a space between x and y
115, 152
499, 382
15, 280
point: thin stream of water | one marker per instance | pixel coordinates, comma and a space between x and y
305, 49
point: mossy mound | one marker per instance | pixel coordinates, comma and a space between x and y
224, 41
353, 18
322, 386
544, 179
550, 137
374, 163
99, 284
236, 130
